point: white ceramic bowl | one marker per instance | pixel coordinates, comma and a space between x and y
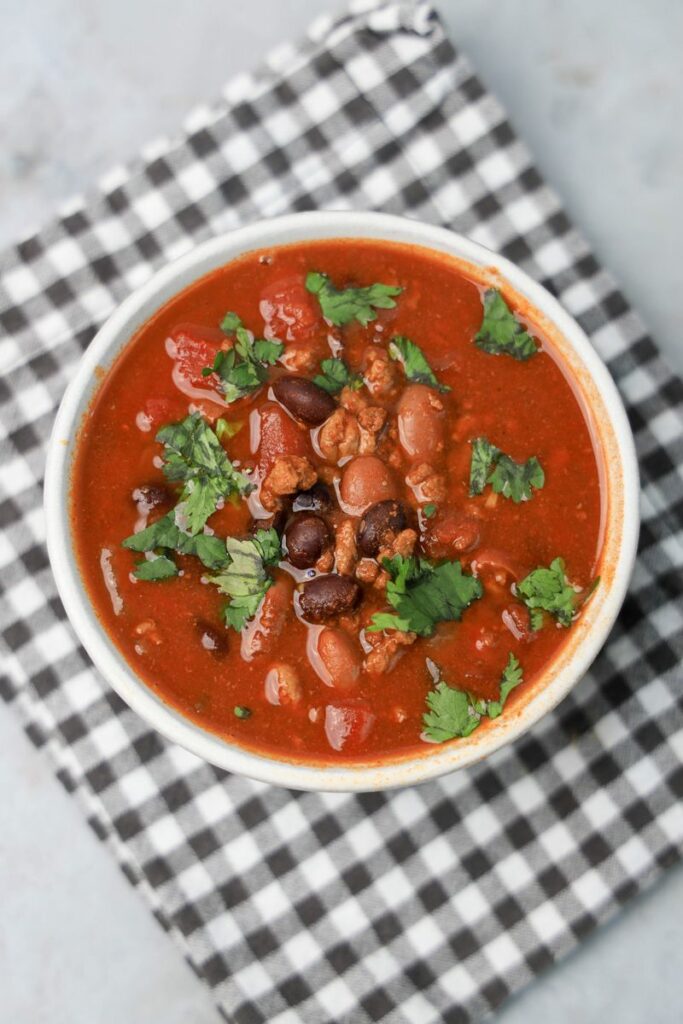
602, 407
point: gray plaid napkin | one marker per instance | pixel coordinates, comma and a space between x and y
410, 907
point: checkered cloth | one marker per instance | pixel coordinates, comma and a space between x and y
410, 907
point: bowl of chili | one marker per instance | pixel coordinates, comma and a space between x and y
341, 501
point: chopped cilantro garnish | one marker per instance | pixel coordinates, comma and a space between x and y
516, 480
241, 712
456, 713
414, 362
548, 590
335, 376
429, 510
245, 579
512, 676
243, 368
501, 331
341, 306
451, 714
424, 594
166, 534
195, 456
161, 568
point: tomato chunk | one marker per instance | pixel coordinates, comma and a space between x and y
348, 725
273, 433
289, 312
192, 349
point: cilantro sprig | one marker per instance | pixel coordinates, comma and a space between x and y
454, 714
244, 367
336, 375
501, 332
515, 480
195, 457
549, 590
245, 579
414, 362
159, 568
342, 305
424, 594
164, 533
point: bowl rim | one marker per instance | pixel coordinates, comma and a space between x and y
622, 500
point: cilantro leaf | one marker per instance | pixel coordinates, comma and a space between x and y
548, 590
335, 376
242, 368
429, 510
161, 534
515, 480
424, 594
451, 714
160, 568
245, 579
414, 362
456, 713
341, 306
512, 676
195, 456
501, 331
164, 533
484, 455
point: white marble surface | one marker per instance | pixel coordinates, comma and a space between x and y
596, 89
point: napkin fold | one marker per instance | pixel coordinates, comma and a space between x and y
410, 907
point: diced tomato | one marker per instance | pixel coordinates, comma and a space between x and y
193, 348
275, 433
154, 413
289, 312
348, 725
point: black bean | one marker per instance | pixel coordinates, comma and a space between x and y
306, 537
151, 496
212, 639
304, 399
327, 596
316, 499
381, 519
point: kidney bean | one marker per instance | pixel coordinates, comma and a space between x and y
306, 537
421, 422
501, 565
304, 399
282, 685
324, 597
260, 635
151, 496
382, 518
336, 659
517, 620
316, 499
213, 640
366, 480
451, 531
